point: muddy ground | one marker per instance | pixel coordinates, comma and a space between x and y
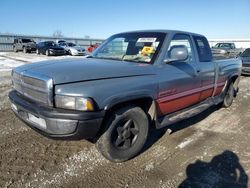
207, 150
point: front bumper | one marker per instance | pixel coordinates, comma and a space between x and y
30, 48
77, 53
56, 52
56, 123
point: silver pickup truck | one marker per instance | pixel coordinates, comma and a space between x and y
133, 81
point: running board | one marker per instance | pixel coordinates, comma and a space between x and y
187, 112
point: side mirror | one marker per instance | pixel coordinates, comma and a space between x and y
177, 53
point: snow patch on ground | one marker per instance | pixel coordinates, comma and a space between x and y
185, 143
9, 60
189, 140
8, 64
149, 167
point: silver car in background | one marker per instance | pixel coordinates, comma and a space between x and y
72, 49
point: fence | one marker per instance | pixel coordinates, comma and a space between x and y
6, 41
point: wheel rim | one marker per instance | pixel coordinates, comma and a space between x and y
37, 52
230, 95
126, 134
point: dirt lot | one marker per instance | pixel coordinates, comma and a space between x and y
211, 149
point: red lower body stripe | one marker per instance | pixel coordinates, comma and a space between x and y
173, 103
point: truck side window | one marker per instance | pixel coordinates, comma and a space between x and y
204, 51
181, 39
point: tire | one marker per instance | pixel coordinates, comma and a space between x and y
126, 134
24, 50
229, 96
37, 52
15, 49
70, 53
47, 53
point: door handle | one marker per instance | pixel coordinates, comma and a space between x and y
198, 70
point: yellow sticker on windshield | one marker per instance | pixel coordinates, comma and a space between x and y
147, 50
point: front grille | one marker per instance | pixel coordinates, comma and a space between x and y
33, 86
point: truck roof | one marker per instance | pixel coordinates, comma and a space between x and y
164, 31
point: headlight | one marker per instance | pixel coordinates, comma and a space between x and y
74, 103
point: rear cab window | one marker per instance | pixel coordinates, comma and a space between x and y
203, 49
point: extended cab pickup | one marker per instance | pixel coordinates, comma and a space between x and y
228, 50
134, 80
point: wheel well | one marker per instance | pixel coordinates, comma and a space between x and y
147, 104
234, 78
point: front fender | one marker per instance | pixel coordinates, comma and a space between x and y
126, 97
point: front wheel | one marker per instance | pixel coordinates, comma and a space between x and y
24, 50
69, 52
229, 96
126, 134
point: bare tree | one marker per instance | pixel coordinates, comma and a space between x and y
57, 33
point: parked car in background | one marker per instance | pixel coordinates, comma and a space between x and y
59, 41
24, 44
72, 49
92, 47
225, 50
245, 57
132, 82
49, 48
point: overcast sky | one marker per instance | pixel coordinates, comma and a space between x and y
217, 19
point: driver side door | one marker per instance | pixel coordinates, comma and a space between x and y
179, 82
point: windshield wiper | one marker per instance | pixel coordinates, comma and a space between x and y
119, 59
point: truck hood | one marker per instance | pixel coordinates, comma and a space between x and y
32, 44
86, 69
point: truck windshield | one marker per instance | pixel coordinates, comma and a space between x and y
50, 43
26, 40
70, 44
141, 47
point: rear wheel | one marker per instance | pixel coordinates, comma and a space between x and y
229, 96
126, 135
47, 53
15, 49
